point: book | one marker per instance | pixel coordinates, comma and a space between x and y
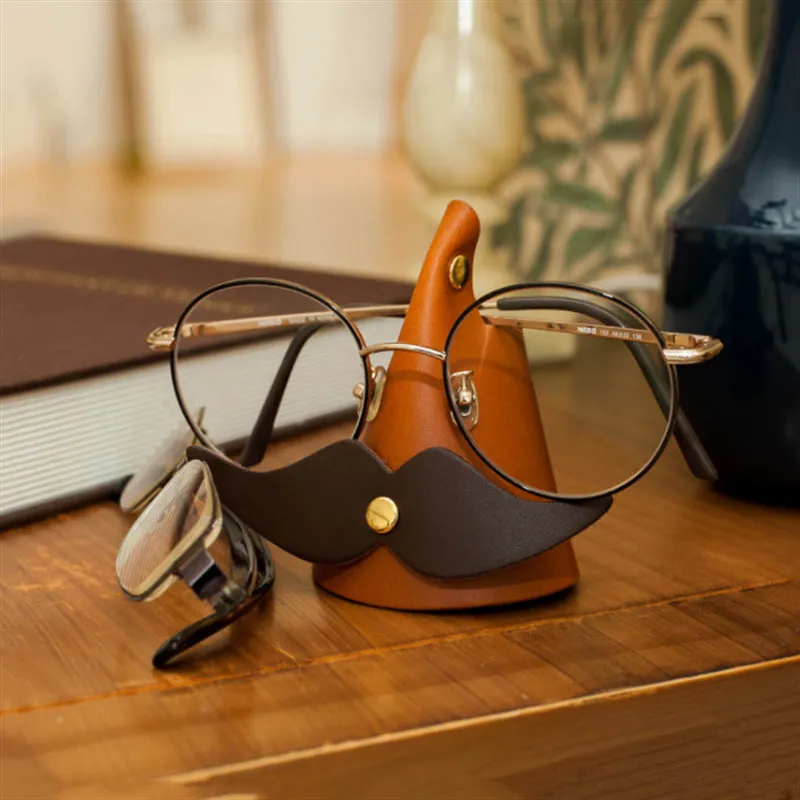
83, 400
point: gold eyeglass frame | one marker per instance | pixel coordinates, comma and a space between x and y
676, 348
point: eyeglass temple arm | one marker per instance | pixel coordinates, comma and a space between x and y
164, 338
693, 451
252, 560
257, 442
682, 348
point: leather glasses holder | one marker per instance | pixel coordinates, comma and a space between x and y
415, 415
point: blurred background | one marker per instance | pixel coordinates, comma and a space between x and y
333, 132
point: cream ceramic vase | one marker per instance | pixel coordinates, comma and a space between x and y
463, 118
463, 124
464, 129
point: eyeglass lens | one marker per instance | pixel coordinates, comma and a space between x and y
290, 374
156, 469
183, 508
599, 394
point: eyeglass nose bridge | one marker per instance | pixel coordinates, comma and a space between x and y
378, 374
403, 346
460, 382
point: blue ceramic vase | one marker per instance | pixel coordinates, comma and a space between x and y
733, 271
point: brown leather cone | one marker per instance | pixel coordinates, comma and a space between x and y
415, 415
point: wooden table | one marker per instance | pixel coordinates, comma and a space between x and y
673, 671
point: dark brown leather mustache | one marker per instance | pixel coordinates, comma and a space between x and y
453, 522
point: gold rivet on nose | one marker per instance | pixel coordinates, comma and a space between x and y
382, 514
459, 272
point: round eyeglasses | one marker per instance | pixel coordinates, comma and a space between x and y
267, 357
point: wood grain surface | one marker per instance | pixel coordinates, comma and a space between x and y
672, 671
677, 582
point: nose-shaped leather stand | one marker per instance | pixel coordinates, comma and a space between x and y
415, 415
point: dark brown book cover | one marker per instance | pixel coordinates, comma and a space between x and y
71, 309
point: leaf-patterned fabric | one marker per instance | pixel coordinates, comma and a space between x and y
628, 102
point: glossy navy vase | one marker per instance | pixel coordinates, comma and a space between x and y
733, 271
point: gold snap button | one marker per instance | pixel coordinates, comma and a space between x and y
459, 272
382, 514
